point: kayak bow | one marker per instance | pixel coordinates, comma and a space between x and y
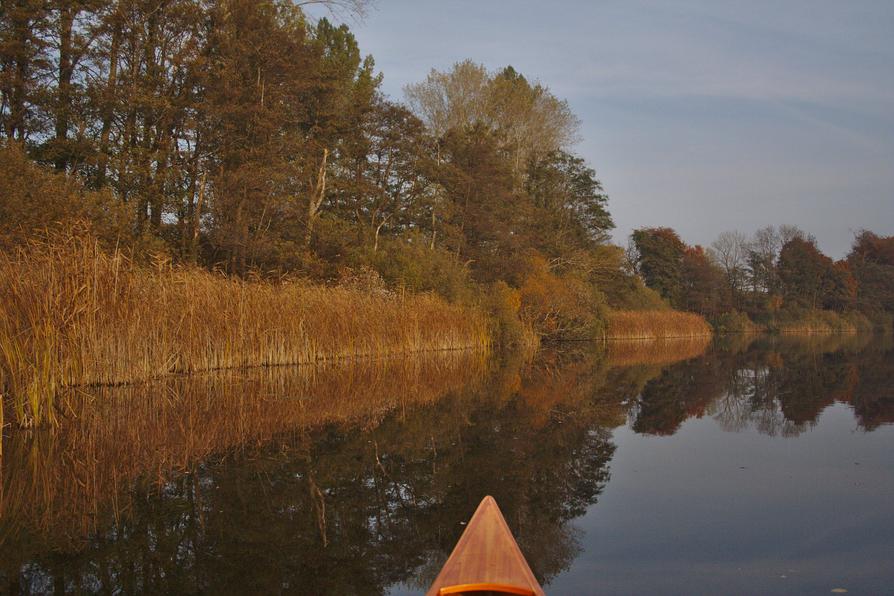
486, 559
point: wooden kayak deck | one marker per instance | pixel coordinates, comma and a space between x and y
486, 559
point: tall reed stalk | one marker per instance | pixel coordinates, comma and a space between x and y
72, 314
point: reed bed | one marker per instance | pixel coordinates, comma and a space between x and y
655, 324
61, 483
74, 315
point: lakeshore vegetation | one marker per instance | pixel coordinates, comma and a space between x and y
75, 316
191, 185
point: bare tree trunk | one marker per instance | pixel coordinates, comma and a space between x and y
149, 116
433, 231
163, 164
378, 231
196, 219
316, 198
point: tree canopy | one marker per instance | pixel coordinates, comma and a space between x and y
244, 136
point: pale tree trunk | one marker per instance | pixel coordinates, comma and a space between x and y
378, 231
316, 198
162, 165
196, 219
433, 231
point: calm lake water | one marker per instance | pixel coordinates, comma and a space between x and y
750, 467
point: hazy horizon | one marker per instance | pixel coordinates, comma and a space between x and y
700, 116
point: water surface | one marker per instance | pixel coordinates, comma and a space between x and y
755, 467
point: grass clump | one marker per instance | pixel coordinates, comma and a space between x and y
735, 322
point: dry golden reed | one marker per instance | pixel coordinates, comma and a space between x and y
655, 324
72, 314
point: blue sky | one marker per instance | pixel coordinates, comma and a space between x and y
704, 116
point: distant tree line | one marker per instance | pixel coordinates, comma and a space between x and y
777, 274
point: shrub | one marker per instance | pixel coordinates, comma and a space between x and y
735, 322
409, 263
34, 198
632, 294
560, 307
503, 303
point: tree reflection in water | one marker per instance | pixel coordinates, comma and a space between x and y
327, 505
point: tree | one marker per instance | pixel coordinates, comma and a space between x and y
803, 271
730, 250
388, 182
660, 261
486, 224
571, 204
356, 8
24, 66
789, 232
337, 106
529, 120
763, 250
703, 284
249, 136
839, 287
258, 64
451, 100
75, 26
871, 261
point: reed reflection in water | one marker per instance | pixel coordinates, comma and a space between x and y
356, 480
117, 436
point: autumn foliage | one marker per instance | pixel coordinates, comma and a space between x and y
560, 306
779, 280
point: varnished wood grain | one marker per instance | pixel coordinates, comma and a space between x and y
487, 557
